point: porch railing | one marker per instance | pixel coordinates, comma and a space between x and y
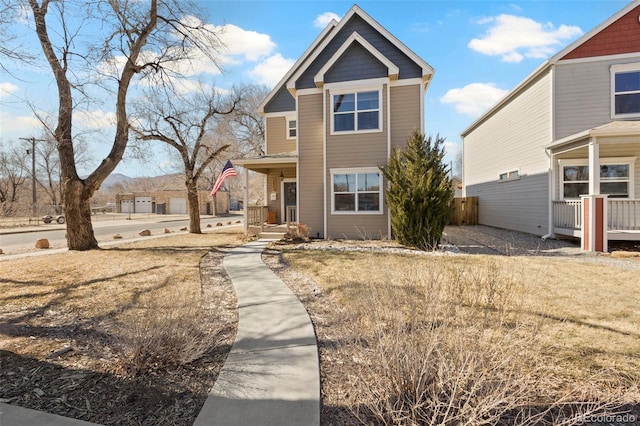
257, 215
622, 214
566, 214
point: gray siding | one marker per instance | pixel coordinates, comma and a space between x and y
583, 95
310, 171
408, 68
356, 64
519, 205
512, 138
281, 102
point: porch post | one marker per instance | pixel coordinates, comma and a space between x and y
245, 206
594, 223
594, 167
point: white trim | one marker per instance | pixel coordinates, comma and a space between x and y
325, 208
287, 120
355, 90
622, 68
357, 85
282, 196
607, 58
309, 91
279, 114
295, 66
356, 171
407, 82
393, 70
602, 161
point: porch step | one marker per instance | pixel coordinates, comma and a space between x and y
271, 235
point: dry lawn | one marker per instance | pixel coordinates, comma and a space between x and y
134, 334
408, 339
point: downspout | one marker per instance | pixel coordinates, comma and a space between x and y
550, 233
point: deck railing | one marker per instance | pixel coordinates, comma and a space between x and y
622, 214
257, 215
566, 214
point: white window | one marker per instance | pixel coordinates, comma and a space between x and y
616, 177
625, 85
511, 175
356, 191
292, 128
356, 111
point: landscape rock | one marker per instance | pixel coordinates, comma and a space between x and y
42, 243
219, 224
117, 237
167, 231
1, 252
208, 225
183, 229
144, 233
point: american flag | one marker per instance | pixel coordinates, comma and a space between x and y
227, 171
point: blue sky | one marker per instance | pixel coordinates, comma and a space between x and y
480, 50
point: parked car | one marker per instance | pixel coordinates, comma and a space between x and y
48, 219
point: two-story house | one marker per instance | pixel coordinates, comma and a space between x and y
530, 158
355, 94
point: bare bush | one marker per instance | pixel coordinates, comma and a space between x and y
164, 332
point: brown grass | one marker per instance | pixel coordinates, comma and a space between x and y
473, 339
133, 334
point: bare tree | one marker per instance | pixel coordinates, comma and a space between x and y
184, 125
136, 38
9, 49
13, 173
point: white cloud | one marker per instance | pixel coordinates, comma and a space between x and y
249, 45
473, 99
7, 89
515, 37
271, 70
96, 119
323, 20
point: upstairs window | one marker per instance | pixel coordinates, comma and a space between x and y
292, 129
356, 111
626, 90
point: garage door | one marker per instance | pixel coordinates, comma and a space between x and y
126, 206
178, 206
143, 205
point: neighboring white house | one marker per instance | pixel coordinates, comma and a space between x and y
528, 158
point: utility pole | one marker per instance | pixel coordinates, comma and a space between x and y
33, 173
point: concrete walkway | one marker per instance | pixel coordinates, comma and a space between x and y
272, 375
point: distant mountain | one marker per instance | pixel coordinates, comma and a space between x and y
114, 179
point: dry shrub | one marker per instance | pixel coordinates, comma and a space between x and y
297, 233
165, 331
452, 348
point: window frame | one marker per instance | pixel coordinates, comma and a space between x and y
509, 176
357, 171
620, 69
605, 161
287, 124
355, 91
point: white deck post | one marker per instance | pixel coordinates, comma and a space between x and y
245, 206
594, 167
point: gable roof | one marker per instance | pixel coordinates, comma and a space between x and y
327, 35
561, 55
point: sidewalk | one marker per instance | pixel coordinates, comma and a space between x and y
272, 375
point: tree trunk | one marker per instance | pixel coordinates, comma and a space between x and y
77, 210
193, 206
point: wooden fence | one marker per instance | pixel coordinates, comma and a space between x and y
465, 211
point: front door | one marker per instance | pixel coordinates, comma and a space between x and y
289, 197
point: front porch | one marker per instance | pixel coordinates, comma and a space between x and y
601, 206
277, 209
